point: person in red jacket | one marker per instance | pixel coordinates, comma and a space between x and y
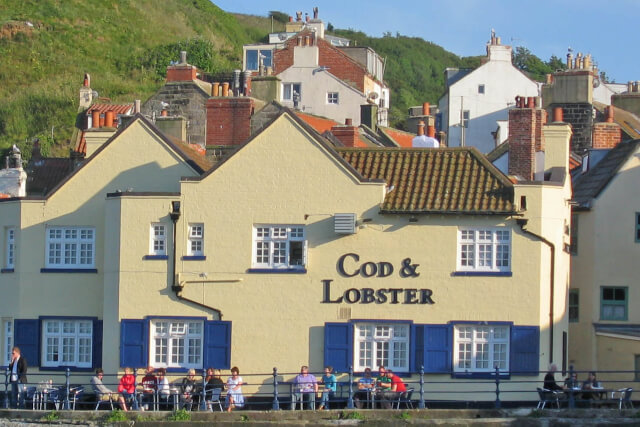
127, 390
397, 388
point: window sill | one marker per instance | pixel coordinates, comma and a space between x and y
155, 257
278, 270
68, 270
64, 368
6, 270
483, 273
479, 375
194, 257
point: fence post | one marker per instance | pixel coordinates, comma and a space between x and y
421, 404
276, 403
6, 389
67, 374
572, 396
350, 399
497, 404
203, 392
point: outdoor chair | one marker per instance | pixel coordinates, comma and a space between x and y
213, 398
405, 397
30, 397
547, 396
103, 401
624, 398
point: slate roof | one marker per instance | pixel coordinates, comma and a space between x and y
435, 180
43, 174
589, 185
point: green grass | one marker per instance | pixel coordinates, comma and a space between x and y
116, 415
51, 416
180, 415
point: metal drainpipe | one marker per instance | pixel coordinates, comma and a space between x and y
522, 223
176, 287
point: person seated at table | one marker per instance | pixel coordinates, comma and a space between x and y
571, 382
127, 390
235, 398
213, 382
188, 389
550, 380
164, 391
592, 386
305, 387
102, 391
366, 386
149, 386
329, 392
397, 387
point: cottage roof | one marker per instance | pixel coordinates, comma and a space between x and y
43, 174
435, 180
589, 185
629, 122
116, 108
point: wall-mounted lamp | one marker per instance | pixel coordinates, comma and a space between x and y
175, 211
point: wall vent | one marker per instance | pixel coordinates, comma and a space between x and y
344, 223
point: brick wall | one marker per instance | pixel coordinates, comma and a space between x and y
348, 135
340, 65
522, 142
606, 135
228, 120
580, 117
181, 73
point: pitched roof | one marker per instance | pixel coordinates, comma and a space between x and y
497, 152
320, 124
399, 137
116, 108
435, 180
43, 174
629, 122
589, 186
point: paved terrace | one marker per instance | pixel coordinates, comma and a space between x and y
457, 417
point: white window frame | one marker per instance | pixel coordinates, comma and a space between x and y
67, 342
266, 63
279, 246
377, 344
478, 348
70, 247
10, 261
7, 341
176, 343
333, 98
158, 239
195, 243
288, 91
484, 249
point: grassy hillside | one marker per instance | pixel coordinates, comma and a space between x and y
47, 45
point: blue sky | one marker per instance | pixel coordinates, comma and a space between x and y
605, 29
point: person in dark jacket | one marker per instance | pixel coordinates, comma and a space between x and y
18, 378
550, 380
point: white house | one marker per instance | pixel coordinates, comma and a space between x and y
474, 103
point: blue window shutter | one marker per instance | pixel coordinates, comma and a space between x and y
96, 356
217, 344
338, 346
27, 338
134, 338
525, 350
433, 346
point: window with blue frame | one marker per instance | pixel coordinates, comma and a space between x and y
175, 343
469, 349
613, 303
58, 342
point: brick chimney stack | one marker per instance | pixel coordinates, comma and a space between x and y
347, 134
229, 120
606, 134
181, 72
525, 137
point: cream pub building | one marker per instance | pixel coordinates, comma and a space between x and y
293, 252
